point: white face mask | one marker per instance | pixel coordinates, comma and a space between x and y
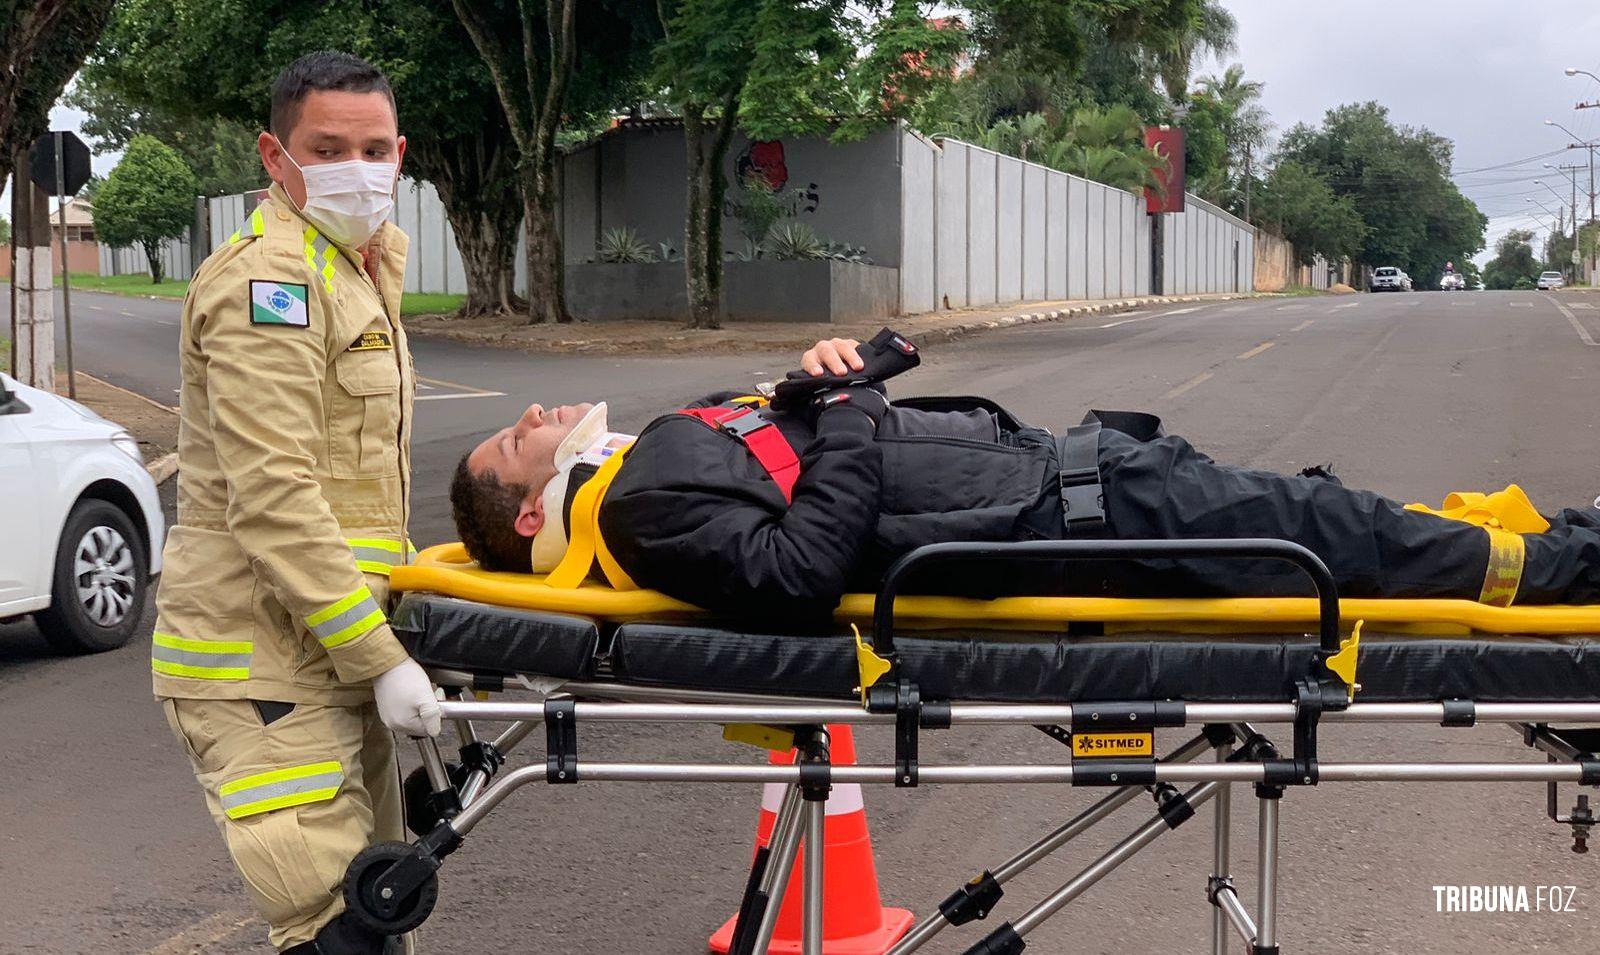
348, 201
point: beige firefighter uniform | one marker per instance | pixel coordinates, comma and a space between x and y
294, 454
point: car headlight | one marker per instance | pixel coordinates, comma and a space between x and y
127, 444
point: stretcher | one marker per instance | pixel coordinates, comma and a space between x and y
1253, 682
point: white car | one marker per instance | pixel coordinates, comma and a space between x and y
1389, 279
81, 522
1452, 282
1551, 280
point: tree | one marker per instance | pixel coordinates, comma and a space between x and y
1399, 178
147, 198
1199, 29
546, 61
42, 43
1513, 261
221, 153
1225, 126
1301, 207
5, 231
784, 68
161, 57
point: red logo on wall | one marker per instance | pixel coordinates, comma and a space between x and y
764, 159
1167, 194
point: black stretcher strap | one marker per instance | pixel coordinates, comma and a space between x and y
561, 741
1083, 500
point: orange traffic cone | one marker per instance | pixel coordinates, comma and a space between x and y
854, 921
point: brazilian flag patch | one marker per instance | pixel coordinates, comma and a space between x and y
278, 303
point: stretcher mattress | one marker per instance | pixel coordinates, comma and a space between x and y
962, 662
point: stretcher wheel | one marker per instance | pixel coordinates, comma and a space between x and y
422, 810
363, 897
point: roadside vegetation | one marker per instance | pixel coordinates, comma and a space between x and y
413, 303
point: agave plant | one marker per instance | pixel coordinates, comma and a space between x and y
622, 245
788, 241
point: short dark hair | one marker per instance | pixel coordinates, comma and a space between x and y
317, 72
485, 510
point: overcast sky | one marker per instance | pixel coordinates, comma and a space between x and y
1485, 73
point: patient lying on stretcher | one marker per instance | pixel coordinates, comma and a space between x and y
776, 510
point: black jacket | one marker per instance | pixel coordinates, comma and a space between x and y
693, 514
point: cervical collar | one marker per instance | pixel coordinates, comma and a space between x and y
583, 450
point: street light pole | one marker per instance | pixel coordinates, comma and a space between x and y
1579, 143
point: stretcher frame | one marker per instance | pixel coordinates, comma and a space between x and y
392, 886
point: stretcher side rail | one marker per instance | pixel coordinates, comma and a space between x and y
894, 578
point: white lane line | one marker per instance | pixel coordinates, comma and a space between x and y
1185, 311
1347, 305
1137, 317
96, 308
1577, 326
1255, 351
1194, 382
162, 321
123, 311
1581, 305
1304, 325
1234, 308
1523, 304
473, 394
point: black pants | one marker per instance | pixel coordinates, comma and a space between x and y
1159, 486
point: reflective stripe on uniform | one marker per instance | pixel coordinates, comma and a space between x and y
280, 788
255, 225
347, 619
320, 254
375, 555
200, 659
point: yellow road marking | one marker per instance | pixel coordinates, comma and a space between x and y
204, 935
1304, 325
1194, 382
1255, 351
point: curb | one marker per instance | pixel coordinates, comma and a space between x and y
948, 333
163, 470
956, 332
131, 394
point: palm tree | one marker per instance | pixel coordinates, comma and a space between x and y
1208, 29
1247, 123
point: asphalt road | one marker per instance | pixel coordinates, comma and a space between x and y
109, 848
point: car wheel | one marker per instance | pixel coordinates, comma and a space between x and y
99, 581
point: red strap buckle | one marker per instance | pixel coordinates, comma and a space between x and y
770, 448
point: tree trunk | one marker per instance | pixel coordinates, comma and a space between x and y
707, 187
547, 299
152, 255
475, 176
702, 282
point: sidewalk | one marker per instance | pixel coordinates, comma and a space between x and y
671, 338
154, 425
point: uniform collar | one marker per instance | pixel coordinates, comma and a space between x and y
388, 245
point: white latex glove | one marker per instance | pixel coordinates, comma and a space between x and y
406, 703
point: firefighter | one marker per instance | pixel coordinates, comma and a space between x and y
272, 655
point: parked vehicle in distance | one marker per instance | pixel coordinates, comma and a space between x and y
83, 524
1550, 280
1389, 279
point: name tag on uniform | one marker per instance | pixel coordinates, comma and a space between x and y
278, 303
372, 341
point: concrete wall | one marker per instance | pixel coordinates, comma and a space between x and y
81, 257
176, 258
1006, 231
961, 226
634, 177
1207, 250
